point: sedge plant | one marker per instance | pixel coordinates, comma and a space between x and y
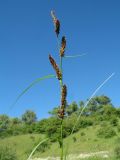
59, 75
63, 88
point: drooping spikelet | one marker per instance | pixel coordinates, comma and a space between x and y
61, 111
56, 23
55, 66
63, 46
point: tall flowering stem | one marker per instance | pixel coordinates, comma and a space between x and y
61, 112
59, 73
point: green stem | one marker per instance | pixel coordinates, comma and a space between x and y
61, 85
62, 148
61, 63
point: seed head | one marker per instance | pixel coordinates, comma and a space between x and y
63, 46
61, 112
55, 66
63, 98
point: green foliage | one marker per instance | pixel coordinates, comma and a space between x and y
100, 111
29, 117
72, 108
69, 123
85, 122
54, 111
102, 100
114, 121
96, 103
118, 128
117, 151
15, 121
53, 128
82, 133
41, 126
106, 132
95, 158
44, 146
74, 139
108, 111
104, 124
4, 121
118, 112
7, 153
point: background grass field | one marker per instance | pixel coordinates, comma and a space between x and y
84, 141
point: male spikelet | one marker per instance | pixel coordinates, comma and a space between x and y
55, 66
63, 46
56, 23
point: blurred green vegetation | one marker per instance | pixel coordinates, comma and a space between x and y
97, 130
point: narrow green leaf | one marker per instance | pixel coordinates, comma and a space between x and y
24, 91
75, 56
41, 142
30, 86
93, 94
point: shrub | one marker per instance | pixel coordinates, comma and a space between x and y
117, 151
114, 121
69, 123
106, 132
7, 154
74, 139
82, 134
32, 138
104, 124
85, 122
117, 140
118, 128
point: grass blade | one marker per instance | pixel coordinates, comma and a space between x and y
30, 86
33, 151
75, 56
93, 94
24, 91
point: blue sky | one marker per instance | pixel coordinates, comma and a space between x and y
27, 37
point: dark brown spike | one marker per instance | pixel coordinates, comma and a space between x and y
61, 112
55, 66
63, 46
64, 93
57, 27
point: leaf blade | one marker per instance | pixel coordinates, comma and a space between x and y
93, 94
41, 142
30, 86
75, 56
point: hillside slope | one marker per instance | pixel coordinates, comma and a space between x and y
84, 141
